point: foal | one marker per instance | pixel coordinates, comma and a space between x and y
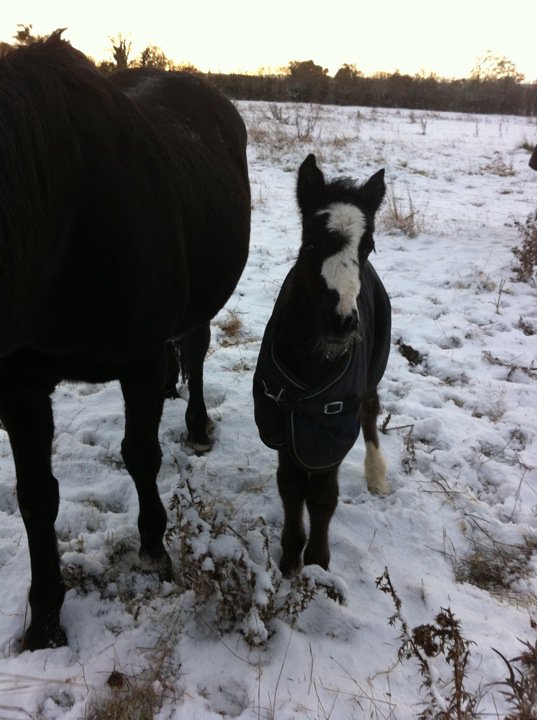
323, 354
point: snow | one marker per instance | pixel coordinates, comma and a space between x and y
460, 430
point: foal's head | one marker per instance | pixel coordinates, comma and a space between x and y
337, 238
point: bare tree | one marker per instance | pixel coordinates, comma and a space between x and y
121, 50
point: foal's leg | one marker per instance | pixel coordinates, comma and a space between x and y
292, 487
321, 501
142, 388
194, 348
26, 413
375, 463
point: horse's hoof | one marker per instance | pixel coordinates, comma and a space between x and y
171, 394
199, 448
202, 442
42, 637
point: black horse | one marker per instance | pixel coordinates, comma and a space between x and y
124, 223
323, 354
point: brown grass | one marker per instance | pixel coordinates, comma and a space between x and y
496, 566
521, 683
402, 217
128, 700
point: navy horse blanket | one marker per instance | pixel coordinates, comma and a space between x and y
320, 425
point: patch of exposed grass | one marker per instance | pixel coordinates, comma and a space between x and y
401, 216
413, 356
525, 144
526, 327
495, 566
231, 327
279, 131
126, 700
498, 166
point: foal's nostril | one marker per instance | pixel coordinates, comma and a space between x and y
349, 323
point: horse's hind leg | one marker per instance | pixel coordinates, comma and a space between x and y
172, 370
26, 413
292, 487
375, 464
321, 501
142, 388
194, 348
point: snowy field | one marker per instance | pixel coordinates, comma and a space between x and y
457, 534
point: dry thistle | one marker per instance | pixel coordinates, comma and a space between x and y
526, 253
522, 683
448, 698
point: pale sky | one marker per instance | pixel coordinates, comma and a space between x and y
245, 35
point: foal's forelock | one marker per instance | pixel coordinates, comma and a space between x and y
341, 271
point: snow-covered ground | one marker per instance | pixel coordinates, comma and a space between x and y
458, 530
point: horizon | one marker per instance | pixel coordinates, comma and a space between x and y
421, 37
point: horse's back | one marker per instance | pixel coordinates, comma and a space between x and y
197, 103
206, 137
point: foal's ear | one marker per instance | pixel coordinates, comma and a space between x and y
310, 185
373, 191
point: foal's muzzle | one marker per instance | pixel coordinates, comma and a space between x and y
341, 335
348, 324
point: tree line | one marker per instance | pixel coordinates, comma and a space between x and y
419, 92
493, 86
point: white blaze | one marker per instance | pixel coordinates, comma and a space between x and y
341, 271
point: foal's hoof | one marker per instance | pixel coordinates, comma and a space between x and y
158, 563
380, 489
41, 637
290, 566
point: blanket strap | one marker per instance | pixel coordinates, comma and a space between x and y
306, 406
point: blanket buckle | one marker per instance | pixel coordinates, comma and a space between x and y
333, 408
